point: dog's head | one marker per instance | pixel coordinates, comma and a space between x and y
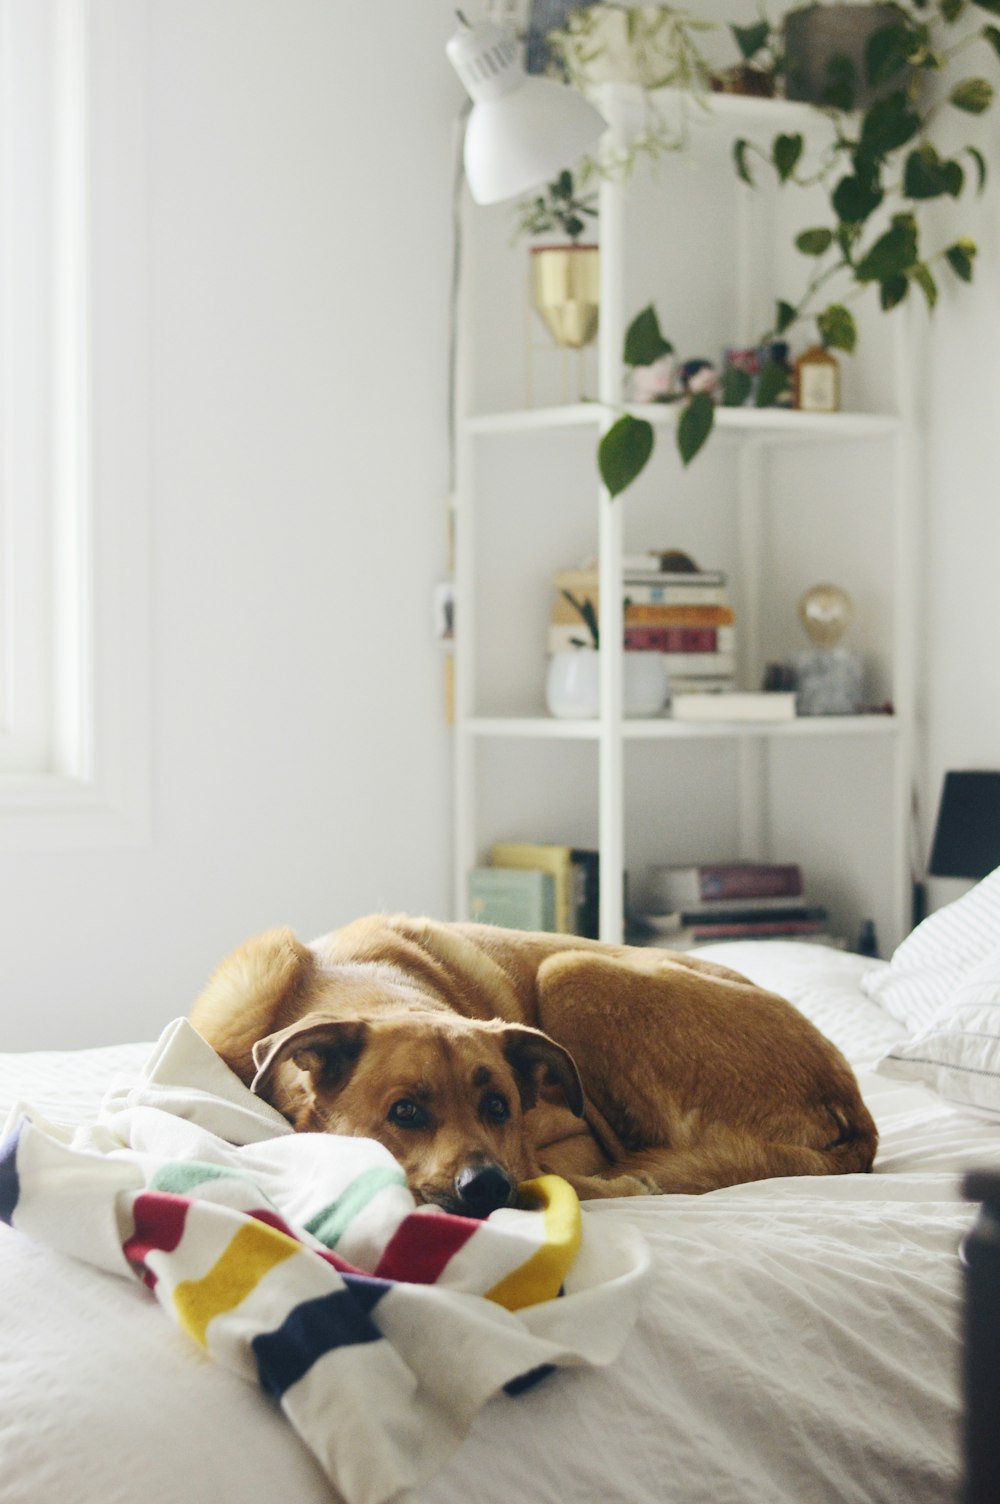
446, 1095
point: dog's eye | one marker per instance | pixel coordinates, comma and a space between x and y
496, 1107
407, 1114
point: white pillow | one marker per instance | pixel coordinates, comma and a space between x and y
959, 1054
927, 965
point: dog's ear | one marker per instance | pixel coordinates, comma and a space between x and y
326, 1049
538, 1060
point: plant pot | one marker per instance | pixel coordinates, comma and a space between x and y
573, 691
819, 34
565, 287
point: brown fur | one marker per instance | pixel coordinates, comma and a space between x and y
692, 1077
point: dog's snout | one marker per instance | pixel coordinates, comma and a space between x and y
481, 1189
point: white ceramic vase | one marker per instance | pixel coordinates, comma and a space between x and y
572, 686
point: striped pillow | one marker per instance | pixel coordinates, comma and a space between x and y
959, 1055
927, 966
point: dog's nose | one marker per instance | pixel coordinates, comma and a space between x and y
481, 1189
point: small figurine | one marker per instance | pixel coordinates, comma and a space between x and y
698, 376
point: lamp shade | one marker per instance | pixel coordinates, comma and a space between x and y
967, 834
522, 130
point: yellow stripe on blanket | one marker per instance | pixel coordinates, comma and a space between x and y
541, 1277
253, 1252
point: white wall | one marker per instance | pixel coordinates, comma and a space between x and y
299, 187
299, 156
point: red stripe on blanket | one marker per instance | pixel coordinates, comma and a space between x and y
159, 1219
422, 1246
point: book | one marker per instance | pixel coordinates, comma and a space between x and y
680, 639
760, 904
542, 857
645, 613
646, 566
734, 705
587, 892
685, 939
512, 899
737, 911
714, 662
760, 929
675, 887
666, 590
641, 614
716, 665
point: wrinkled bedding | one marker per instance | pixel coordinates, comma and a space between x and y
797, 1340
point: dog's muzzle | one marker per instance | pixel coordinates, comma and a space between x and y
481, 1189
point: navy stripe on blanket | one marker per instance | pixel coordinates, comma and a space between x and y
10, 1186
317, 1327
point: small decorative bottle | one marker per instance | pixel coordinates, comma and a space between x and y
817, 381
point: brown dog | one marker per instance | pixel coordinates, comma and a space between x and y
481, 1057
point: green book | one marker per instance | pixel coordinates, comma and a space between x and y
513, 898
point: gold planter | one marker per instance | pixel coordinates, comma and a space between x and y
565, 286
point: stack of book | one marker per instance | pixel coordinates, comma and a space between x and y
685, 616
728, 901
530, 885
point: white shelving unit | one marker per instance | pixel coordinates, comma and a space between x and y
750, 437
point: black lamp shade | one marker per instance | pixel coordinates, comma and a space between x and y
967, 836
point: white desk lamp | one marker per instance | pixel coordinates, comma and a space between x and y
523, 130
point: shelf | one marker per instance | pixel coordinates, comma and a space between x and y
769, 425
734, 113
661, 728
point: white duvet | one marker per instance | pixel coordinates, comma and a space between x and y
797, 1343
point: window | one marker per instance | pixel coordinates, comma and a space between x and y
73, 597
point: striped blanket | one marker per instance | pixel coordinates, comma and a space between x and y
302, 1262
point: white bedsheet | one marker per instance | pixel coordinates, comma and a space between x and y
798, 1344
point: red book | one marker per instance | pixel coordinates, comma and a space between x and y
674, 888
673, 639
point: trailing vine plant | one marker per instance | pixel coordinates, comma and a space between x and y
879, 172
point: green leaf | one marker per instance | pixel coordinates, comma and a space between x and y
893, 254
922, 277
886, 53
980, 162
974, 95
926, 176
589, 615
736, 386
771, 382
854, 200
784, 317
889, 124
623, 452
992, 35
740, 150
644, 342
785, 152
840, 87
952, 9
695, 425
993, 6
837, 328
960, 257
814, 242
563, 185
892, 291
750, 39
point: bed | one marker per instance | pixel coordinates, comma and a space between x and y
795, 1340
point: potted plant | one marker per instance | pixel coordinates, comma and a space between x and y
565, 277
572, 684
885, 97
